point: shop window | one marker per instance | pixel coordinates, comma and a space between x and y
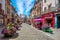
48, 21
37, 22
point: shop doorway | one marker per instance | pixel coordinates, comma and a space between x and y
49, 21
58, 21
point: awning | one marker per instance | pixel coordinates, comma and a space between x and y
40, 19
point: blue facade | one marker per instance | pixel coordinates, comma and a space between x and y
57, 21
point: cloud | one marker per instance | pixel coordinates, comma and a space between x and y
20, 6
24, 6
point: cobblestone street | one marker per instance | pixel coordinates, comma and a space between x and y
29, 19
27, 32
55, 34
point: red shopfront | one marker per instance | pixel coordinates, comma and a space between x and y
49, 17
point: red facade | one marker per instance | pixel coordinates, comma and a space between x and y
37, 22
49, 16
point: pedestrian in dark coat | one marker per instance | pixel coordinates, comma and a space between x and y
40, 25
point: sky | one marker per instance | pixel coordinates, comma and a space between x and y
23, 6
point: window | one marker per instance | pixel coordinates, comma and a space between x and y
44, 1
45, 9
49, 7
8, 2
8, 10
59, 1
0, 6
39, 9
12, 15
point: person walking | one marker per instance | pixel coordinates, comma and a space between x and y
40, 25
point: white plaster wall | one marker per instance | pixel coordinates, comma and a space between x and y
57, 1
54, 3
48, 2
